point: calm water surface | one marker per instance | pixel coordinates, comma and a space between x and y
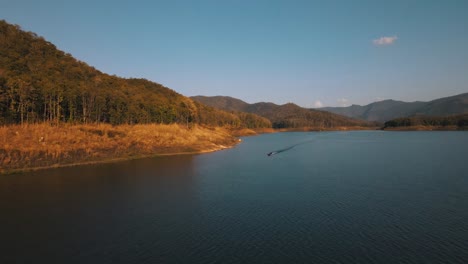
336, 197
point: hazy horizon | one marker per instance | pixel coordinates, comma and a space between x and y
325, 106
311, 53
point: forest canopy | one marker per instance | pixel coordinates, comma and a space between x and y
460, 121
39, 83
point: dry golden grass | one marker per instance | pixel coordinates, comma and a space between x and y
242, 132
44, 145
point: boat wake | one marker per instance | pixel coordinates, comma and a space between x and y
288, 148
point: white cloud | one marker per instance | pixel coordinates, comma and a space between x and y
343, 102
378, 99
384, 41
318, 104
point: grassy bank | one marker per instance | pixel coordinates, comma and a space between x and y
43, 145
251, 131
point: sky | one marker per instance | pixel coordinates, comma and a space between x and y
312, 53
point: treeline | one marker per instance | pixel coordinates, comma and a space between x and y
214, 117
285, 116
292, 116
39, 83
460, 121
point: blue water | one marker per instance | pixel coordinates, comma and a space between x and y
335, 197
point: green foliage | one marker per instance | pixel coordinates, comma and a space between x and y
39, 83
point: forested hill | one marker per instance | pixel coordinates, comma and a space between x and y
283, 116
437, 122
39, 83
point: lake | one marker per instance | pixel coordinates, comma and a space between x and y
334, 197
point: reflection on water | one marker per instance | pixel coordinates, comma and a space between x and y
81, 212
354, 197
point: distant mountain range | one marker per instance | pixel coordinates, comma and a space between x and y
39, 83
389, 109
282, 116
291, 115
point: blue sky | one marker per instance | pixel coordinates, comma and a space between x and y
312, 53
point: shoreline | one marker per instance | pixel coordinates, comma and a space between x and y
115, 160
324, 129
44, 146
424, 128
38, 155
254, 132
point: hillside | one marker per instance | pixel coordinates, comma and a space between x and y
389, 109
451, 122
282, 116
457, 104
226, 103
39, 83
